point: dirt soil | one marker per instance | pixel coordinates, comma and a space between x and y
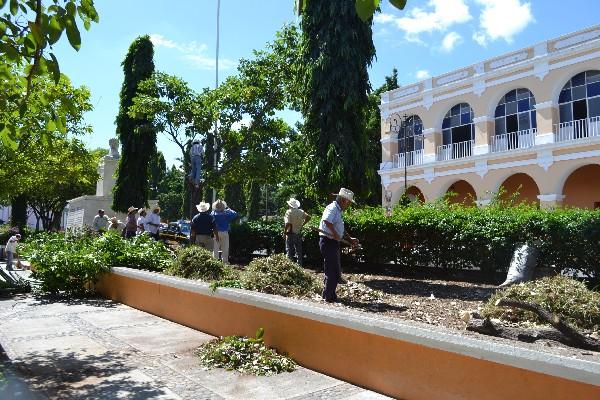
440, 302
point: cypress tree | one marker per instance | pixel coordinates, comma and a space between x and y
137, 135
337, 50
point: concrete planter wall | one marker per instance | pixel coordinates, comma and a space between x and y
401, 359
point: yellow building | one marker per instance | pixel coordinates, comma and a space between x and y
528, 121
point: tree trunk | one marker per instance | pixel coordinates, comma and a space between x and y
253, 201
18, 216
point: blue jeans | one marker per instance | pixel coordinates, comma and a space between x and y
330, 250
196, 169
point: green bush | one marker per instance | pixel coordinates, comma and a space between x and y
65, 264
70, 264
195, 262
449, 236
559, 294
246, 355
140, 252
277, 275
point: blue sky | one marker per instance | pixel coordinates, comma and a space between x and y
428, 38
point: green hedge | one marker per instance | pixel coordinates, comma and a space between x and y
448, 236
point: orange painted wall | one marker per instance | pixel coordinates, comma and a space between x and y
465, 193
582, 188
528, 190
393, 367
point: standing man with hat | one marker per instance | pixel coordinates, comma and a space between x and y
131, 222
223, 216
331, 231
100, 224
294, 220
196, 153
153, 222
141, 222
203, 226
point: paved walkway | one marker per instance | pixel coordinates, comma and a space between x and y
99, 349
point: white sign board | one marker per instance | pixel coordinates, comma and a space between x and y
75, 219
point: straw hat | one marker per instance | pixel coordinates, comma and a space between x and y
132, 208
114, 220
203, 207
292, 202
219, 205
346, 194
155, 208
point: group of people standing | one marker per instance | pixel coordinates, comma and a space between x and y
211, 229
134, 224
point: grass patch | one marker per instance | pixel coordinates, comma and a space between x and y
559, 294
246, 355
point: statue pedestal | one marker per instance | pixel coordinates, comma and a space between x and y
82, 210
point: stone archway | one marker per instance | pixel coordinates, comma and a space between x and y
581, 189
526, 187
464, 193
415, 194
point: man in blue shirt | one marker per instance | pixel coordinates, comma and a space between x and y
223, 216
331, 231
203, 226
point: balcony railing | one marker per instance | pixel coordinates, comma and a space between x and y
514, 140
579, 129
414, 157
455, 150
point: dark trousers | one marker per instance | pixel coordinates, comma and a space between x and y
330, 250
293, 247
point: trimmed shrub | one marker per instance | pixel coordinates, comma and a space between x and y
278, 275
139, 252
195, 262
559, 294
450, 236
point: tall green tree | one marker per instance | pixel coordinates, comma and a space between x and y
136, 134
373, 120
169, 194
337, 50
158, 169
28, 31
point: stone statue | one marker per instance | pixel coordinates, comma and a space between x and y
114, 148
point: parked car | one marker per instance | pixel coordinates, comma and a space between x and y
177, 231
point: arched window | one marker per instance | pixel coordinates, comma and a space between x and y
579, 106
412, 131
410, 139
515, 121
458, 133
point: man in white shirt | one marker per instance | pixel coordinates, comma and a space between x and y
196, 153
294, 219
141, 222
331, 231
100, 223
11, 250
153, 222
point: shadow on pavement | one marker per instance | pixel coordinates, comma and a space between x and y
76, 376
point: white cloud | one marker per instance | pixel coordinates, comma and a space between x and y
193, 52
502, 19
438, 15
423, 74
450, 41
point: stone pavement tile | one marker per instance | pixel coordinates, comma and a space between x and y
132, 384
233, 385
342, 390
53, 347
163, 337
120, 317
20, 328
14, 387
49, 307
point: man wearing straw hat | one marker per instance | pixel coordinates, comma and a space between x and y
203, 226
223, 217
331, 232
294, 219
153, 222
131, 222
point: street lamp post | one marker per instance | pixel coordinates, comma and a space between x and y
215, 146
